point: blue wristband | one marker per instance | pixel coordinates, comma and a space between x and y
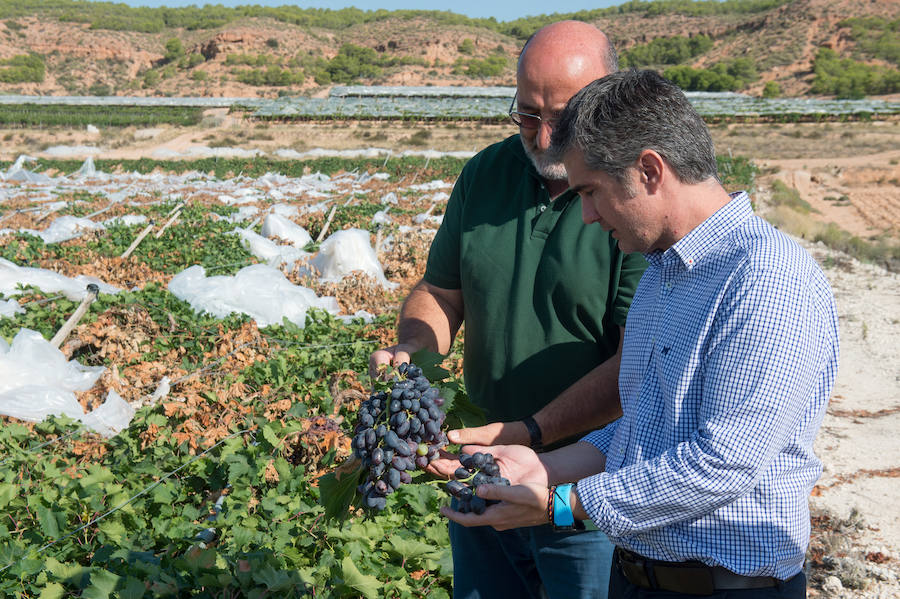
562, 508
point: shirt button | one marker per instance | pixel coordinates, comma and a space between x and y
543, 207
669, 285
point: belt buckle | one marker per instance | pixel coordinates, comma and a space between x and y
634, 568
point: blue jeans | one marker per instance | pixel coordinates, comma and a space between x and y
529, 563
620, 588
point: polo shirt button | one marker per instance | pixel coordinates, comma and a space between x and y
543, 207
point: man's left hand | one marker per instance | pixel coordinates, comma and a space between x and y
522, 505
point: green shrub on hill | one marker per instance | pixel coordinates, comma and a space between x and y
24, 68
481, 68
847, 78
272, 76
666, 50
771, 89
875, 36
120, 17
729, 75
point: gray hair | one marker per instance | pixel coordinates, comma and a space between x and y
612, 120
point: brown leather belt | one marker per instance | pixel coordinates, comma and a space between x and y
691, 578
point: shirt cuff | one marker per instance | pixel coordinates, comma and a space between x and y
602, 438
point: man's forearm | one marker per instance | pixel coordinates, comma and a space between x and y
589, 403
572, 463
430, 318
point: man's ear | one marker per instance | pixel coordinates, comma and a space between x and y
651, 170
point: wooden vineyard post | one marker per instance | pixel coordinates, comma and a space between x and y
175, 213
137, 240
63, 332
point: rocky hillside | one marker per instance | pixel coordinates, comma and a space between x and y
754, 46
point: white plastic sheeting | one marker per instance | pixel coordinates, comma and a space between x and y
268, 250
65, 228
9, 308
276, 225
12, 275
259, 290
126, 219
347, 251
36, 381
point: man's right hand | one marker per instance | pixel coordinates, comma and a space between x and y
389, 356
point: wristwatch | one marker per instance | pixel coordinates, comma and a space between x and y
534, 431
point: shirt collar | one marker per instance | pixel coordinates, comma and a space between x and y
690, 249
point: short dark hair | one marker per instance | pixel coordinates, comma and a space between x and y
613, 119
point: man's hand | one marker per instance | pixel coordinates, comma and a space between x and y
389, 356
521, 505
518, 464
496, 433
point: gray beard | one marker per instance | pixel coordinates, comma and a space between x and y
546, 167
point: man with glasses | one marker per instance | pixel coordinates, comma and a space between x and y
544, 299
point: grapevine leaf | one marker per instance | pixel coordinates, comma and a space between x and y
103, 583
336, 489
54, 590
428, 361
369, 586
7, 494
50, 521
134, 588
463, 413
411, 548
270, 436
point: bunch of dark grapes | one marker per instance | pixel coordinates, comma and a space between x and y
477, 469
397, 431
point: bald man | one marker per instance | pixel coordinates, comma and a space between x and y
544, 300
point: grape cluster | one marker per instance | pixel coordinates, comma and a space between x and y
476, 469
397, 431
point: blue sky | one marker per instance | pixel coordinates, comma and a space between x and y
502, 10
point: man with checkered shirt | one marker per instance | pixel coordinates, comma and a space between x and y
729, 358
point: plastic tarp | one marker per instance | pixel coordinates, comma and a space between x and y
65, 228
47, 281
126, 219
9, 308
18, 172
88, 170
276, 225
268, 250
347, 251
259, 290
36, 381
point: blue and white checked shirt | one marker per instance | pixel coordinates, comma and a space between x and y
730, 353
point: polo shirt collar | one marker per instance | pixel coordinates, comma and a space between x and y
693, 247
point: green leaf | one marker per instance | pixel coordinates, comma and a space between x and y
463, 413
369, 586
7, 494
336, 489
411, 548
54, 590
51, 521
270, 436
134, 588
428, 361
103, 583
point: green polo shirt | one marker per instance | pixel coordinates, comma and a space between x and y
544, 294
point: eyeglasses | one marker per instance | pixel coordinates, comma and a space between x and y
525, 120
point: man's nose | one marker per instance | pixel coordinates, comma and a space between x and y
545, 131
